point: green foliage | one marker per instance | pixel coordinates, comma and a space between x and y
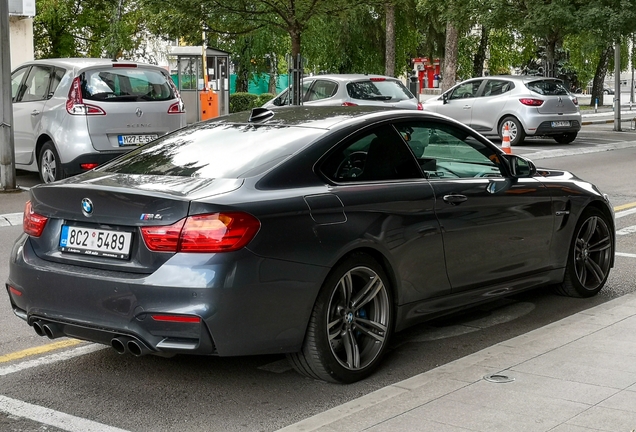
264, 97
243, 102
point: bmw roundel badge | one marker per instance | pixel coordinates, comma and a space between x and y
87, 207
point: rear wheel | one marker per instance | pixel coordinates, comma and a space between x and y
565, 138
515, 130
350, 325
590, 256
49, 163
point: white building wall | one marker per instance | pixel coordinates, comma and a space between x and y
21, 36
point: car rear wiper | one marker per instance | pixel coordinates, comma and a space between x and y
378, 97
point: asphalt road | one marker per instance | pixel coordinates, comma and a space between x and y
81, 387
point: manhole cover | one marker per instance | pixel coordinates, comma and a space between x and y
498, 378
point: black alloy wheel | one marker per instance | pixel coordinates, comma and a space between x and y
350, 325
590, 257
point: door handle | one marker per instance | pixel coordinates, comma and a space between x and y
35, 113
467, 107
455, 199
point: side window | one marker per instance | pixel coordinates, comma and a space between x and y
37, 84
466, 90
56, 78
444, 151
375, 156
497, 87
321, 90
17, 87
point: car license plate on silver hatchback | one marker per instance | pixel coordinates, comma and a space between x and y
126, 140
562, 123
95, 242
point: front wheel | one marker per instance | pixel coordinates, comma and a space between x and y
590, 256
350, 325
515, 130
49, 163
565, 138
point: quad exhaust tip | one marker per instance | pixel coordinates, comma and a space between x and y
124, 344
50, 330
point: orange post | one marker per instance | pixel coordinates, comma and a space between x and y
209, 103
505, 141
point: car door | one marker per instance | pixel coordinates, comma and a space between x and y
31, 94
387, 202
488, 106
495, 228
458, 104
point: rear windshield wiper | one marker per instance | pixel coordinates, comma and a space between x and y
378, 97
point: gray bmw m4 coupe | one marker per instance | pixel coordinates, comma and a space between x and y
316, 232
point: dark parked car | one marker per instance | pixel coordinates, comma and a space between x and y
311, 231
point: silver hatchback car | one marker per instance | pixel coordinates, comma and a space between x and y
528, 105
70, 115
351, 90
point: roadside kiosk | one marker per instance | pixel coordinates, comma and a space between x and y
202, 77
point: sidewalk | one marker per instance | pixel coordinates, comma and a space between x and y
575, 375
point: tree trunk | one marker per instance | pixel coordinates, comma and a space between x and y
273, 73
389, 58
450, 57
480, 55
599, 75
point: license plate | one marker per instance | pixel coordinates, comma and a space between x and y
565, 123
95, 242
126, 140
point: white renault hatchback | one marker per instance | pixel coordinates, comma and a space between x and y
71, 115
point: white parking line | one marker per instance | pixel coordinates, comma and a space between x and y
60, 420
622, 213
627, 255
626, 231
11, 219
53, 358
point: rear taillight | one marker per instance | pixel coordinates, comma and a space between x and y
177, 108
349, 104
531, 102
575, 101
124, 65
75, 104
377, 79
32, 223
420, 107
214, 232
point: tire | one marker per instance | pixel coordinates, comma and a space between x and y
515, 129
590, 256
348, 332
565, 138
49, 163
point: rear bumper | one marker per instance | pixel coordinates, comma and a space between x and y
546, 128
75, 166
247, 305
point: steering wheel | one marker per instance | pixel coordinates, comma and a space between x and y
352, 166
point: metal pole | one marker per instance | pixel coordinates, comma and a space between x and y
617, 86
7, 153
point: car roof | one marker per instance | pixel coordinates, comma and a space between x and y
323, 117
81, 62
522, 78
349, 77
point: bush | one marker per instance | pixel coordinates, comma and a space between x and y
264, 97
242, 102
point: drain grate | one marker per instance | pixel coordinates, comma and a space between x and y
498, 378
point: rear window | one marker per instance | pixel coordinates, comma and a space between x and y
378, 90
215, 150
126, 84
548, 87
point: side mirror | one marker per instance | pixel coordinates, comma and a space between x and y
445, 98
521, 167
